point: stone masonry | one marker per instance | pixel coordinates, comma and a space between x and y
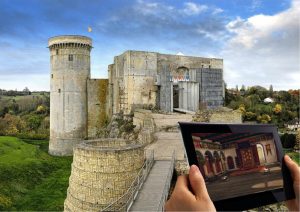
70, 69
102, 170
81, 106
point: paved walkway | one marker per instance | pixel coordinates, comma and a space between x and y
168, 136
165, 144
150, 195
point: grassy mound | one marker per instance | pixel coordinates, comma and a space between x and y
31, 179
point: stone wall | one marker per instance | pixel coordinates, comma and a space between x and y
102, 170
140, 78
219, 115
233, 117
144, 123
97, 105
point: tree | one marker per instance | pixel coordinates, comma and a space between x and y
33, 121
277, 109
264, 118
242, 109
243, 90
41, 109
4, 111
288, 140
271, 91
12, 124
297, 143
250, 116
283, 96
26, 91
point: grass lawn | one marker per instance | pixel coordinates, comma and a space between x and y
31, 179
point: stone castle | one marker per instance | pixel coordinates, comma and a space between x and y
79, 105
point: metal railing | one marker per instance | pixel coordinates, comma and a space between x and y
168, 184
126, 200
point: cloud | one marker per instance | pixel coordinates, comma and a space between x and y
191, 8
264, 50
217, 11
256, 4
154, 23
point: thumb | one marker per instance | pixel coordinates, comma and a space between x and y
293, 167
197, 183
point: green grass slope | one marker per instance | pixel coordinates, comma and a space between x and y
31, 179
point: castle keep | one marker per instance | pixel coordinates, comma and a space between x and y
80, 106
139, 78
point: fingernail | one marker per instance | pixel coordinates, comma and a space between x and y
288, 157
194, 169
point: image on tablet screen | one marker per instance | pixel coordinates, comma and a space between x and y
236, 164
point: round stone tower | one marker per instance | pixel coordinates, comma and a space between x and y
70, 69
102, 171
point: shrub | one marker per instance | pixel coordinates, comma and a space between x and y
288, 140
5, 203
32, 136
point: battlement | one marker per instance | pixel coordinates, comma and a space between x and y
70, 40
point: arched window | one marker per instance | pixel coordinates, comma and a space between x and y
222, 156
216, 155
210, 156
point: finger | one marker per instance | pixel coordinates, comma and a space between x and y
182, 183
197, 182
293, 167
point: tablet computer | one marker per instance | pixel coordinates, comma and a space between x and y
242, 164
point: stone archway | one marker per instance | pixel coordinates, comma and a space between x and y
209, 160
230, 163
201, 162
217, 162
261, 154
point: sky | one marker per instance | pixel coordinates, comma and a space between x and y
257, 39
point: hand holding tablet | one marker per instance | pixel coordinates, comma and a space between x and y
242, 165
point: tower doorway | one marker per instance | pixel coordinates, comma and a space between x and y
175, 96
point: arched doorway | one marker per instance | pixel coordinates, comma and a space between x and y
201, 162
230, 162
223, 159
217, 161
209, 159
261, 154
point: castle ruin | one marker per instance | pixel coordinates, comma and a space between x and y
79, 105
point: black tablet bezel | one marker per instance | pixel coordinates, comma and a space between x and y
251, 200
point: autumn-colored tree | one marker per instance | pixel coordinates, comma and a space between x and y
250, 116
12, 124
264, 118
277, 109
41, 109
242, 108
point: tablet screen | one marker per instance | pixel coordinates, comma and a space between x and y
237, 164
242, 164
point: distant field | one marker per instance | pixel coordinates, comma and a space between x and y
31, 179
4, 100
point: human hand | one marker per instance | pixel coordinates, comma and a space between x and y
183, 199
293, 205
